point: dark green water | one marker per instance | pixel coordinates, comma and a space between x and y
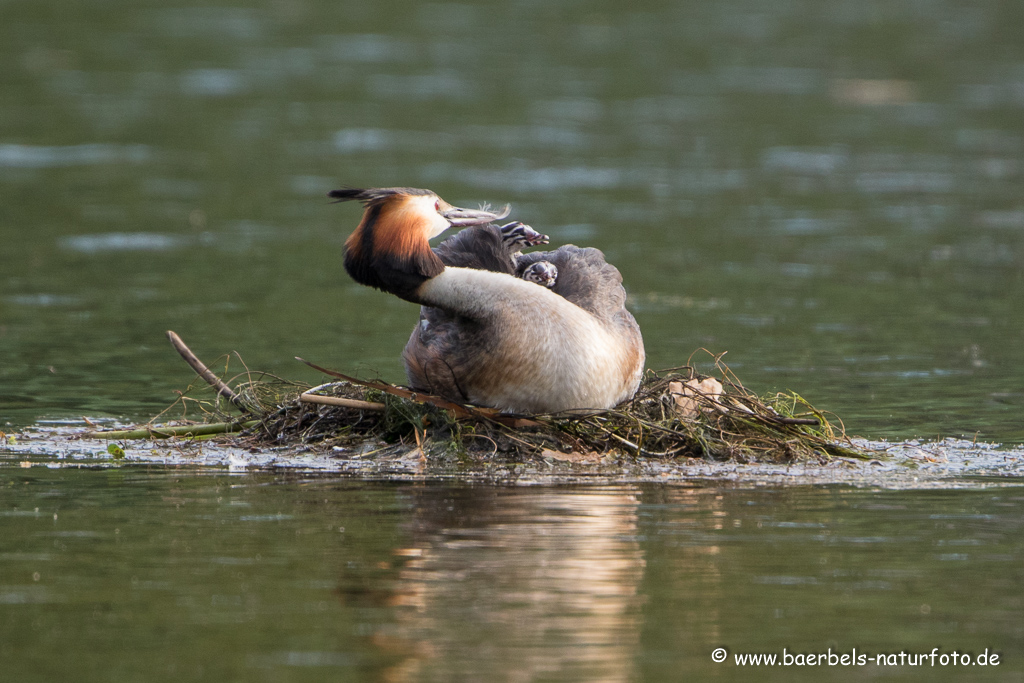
830, 192
128, 575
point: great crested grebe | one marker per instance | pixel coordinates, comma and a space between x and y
557, 337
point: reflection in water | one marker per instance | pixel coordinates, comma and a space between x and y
536, 583
232, 578
37, 156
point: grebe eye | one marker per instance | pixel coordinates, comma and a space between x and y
437, 206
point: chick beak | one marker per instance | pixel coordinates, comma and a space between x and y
460, 218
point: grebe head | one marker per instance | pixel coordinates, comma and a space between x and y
389, 250
430, 214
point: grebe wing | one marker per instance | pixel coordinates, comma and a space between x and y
435, 354
480, 247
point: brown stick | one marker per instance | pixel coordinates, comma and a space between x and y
344, 402
459, 411
203, 371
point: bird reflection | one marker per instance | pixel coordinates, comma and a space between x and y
517, 584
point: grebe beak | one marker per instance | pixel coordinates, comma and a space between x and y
460, 218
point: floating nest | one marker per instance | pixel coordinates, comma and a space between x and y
676, 413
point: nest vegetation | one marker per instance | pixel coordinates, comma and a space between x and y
676, 413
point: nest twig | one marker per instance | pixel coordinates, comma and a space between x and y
722, 420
